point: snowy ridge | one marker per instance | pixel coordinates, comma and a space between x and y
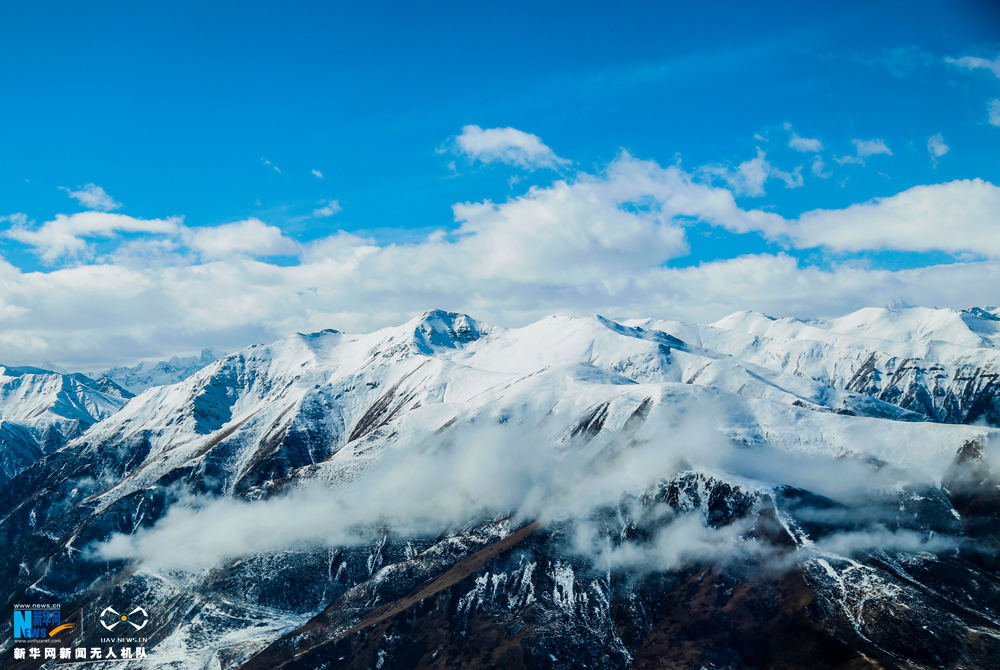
138, 378
942, 364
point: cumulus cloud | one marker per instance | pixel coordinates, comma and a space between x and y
506, 145
913, 220
93, 196
936, 147
251, 237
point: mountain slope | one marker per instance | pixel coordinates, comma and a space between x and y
41, 410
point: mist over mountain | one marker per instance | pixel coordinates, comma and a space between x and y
577, 492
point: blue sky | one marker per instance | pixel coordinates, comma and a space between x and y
231, 112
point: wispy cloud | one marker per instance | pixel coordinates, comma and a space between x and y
990, 65
93, 196
902, 60
316, 173
976, 63
750, 176
269, 164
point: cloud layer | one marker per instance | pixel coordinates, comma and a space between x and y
124, 288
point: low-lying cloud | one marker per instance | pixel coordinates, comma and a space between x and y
476, 472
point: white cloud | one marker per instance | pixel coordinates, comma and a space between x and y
597, 243
269, 164
506, 145
93, 196
863, 149
251, 237
471, 471
976, 63
992, 66
875, 147
316, 173
805, 144
936, 147
957, 216
478, 470
17, 219
749, 177
326, 209
66, 235
70, 237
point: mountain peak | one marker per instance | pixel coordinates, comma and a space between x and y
987, 313
438, 328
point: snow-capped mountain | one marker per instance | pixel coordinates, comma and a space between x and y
941, 363
41, 410
138, 378
578, 492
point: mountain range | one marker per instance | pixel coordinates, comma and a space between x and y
580, 492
